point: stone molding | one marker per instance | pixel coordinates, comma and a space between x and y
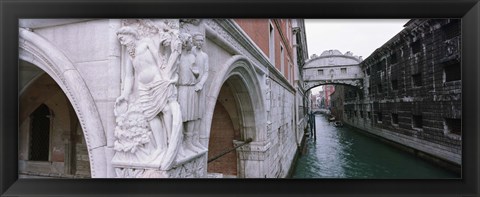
40, 52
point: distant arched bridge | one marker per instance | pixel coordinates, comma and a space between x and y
333, 67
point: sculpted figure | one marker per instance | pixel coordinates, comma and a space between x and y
147, 113
200, 70
189, 96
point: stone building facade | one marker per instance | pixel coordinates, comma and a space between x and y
74, 72
337, 102
411, 91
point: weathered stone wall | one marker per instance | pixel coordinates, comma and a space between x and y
337, 100
282, 132
412, 90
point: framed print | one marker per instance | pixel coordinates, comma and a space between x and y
233, 98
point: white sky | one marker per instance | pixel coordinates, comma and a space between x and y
360, 36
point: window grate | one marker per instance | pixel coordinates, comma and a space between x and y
452, 29
416, 47
454, 125
417, 80
452, 72
417, 121
394, 118
395, 84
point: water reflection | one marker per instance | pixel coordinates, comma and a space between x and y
344, 152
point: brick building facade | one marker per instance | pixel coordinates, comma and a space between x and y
412, 90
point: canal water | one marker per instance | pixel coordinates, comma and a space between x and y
346, 152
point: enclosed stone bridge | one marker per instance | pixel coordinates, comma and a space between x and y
333, 67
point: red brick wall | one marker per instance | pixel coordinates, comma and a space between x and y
257, 30
221, 139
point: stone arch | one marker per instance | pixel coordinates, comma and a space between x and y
41, 53
241, 75
317, 84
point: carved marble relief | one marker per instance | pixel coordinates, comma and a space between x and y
161, 99
193, 73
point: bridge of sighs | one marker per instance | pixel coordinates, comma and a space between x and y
333, 67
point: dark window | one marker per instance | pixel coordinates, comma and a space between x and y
379, 117
394, 118
343, 70
452, 72
361, 114
451, 29
379, 88
271, 45
355, 113
369, 114
454, 125
393, 58
320, 72
39, 134
417, 80
395, 84
416, 47
417, 121
368, 71
381, 65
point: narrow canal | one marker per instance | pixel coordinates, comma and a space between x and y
345, 152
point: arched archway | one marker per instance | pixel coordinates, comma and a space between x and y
51, 142
236, 91
41, 53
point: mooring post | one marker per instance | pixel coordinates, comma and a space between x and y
310, 122
314, 128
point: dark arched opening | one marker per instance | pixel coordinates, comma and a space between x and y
39, 141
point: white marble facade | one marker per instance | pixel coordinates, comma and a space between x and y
144, 91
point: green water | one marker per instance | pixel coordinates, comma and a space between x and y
345, 152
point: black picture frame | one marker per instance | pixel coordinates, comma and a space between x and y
11, 11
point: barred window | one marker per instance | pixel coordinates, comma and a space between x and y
320, 72
417, 121
39, 145
454, 125
417, 80
416, 47
452, 72
452, 29
379, 88
395, 84
394, 118
393, 58
379, 117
